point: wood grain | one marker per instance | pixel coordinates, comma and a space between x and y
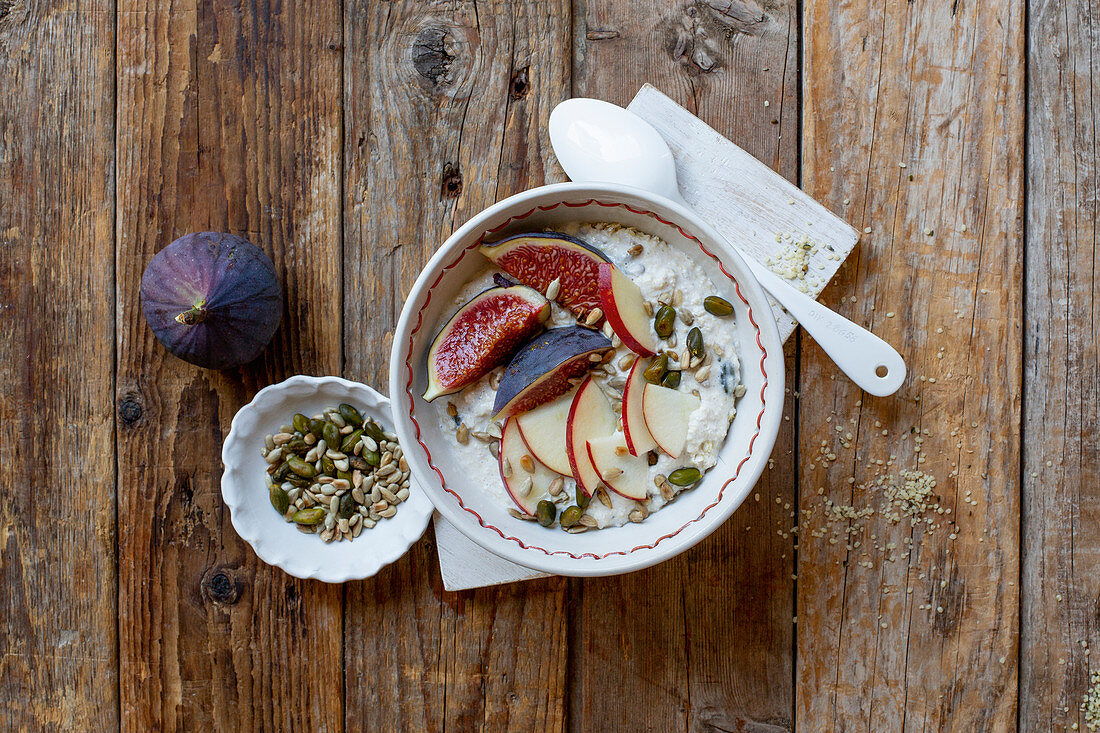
1061, 469
904, 627
58, 642
228, 119
446, 109
706, 639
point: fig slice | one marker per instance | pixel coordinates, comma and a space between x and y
539, 258
483, 334
541, 371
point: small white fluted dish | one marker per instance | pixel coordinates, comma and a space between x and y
276, 541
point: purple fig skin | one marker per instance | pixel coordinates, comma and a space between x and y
540, 371
212, 299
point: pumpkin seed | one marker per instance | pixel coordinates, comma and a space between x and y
717, 306
583, 499
281, 472
547, 511
685, 476
671, 380
655, 372
349, 413
297, 445
664, 321
695, 343
279, 499
300, 423
348, 444
300, 467
328, 465
317, 426
331, 434
347, 507
309, 517
371, 428
570, 516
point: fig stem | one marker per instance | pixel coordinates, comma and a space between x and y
193, 315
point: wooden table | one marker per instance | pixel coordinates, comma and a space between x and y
348, 138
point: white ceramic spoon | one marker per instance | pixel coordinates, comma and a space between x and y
599, 142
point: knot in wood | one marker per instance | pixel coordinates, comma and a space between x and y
451, 186
430, 57
130, 410
519, 86
221, 586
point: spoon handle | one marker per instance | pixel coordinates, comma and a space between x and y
869, 361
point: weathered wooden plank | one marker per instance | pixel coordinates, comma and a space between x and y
1061, 586
446, 109
913, 125
58, 641
228, 119
704, 641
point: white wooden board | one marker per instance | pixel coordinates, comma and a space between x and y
749, 204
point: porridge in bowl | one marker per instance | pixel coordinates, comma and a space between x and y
586, 375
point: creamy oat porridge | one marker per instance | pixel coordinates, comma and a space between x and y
582, 391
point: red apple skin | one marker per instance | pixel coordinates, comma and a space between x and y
611, 312
634, 381
569, 445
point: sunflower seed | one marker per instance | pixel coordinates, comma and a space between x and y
368, 523
617, 382
613, 472
385, 471
659, 479
403, 494
494, 430
380, 506
557, 486
330, 521
356, 530
335, 454
462, 435
369, 443
667, 491
608, 331
627, 361
577, 529
368, 482
648, 307
306, 529
525, 488
494, 380
312, 455
328, 535
603, 496
593, 317
336, 419
358, 495
506, 468
392, 437
482, 436
403, 464
636, 516
387, 459
702, 374
357, 478
635, 250
685, 316
595, 358
527, 464
521, 515
587, 521
309, 438
553, 289
389, 512
376, 493
328, 490
452, 410
342, 465
281, 438
389, 496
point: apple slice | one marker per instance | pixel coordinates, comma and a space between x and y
543, 430
512, 452
623, 473
624, 307
666, 412
638, 439
590, 417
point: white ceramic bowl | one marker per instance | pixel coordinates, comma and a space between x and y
675, 527
278, 542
